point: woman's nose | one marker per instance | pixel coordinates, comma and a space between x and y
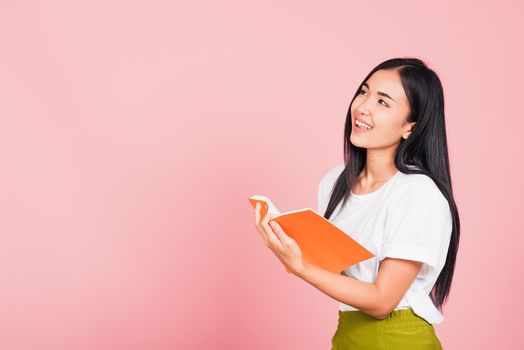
364, 108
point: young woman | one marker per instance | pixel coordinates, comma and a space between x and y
393, 195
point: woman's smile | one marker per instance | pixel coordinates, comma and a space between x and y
358, 126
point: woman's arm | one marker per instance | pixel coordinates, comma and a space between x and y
377, 299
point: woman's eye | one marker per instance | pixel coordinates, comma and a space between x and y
385, 104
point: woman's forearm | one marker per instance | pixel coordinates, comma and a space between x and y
362, 295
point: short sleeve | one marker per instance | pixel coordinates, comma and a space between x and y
418, 228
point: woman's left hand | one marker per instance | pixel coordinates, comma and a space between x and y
284, 247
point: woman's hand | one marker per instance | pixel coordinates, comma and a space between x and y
283, 246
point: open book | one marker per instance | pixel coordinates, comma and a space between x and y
322, 243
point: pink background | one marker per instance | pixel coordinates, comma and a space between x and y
133, 132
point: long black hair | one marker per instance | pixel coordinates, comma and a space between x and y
425, 151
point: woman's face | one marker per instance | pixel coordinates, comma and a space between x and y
385, 114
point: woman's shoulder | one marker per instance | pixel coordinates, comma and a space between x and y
416, 193
417, 185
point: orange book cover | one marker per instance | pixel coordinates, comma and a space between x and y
322, 243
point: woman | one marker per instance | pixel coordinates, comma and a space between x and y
393, 195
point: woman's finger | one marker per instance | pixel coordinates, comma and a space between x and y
257, 213
281, 235
259, 225
266, 232
272, 238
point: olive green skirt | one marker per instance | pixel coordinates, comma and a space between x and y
401, 329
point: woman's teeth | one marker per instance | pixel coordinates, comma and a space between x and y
362, 125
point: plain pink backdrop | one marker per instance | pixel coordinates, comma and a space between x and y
133, 132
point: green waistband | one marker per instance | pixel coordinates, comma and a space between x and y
400, 316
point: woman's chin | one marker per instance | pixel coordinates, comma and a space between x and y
355, 141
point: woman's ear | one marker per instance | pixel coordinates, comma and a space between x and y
408, 126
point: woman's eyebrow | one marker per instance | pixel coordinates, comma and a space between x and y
379, 92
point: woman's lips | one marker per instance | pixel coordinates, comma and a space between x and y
360, 129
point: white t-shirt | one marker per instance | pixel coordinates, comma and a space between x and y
407, 218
